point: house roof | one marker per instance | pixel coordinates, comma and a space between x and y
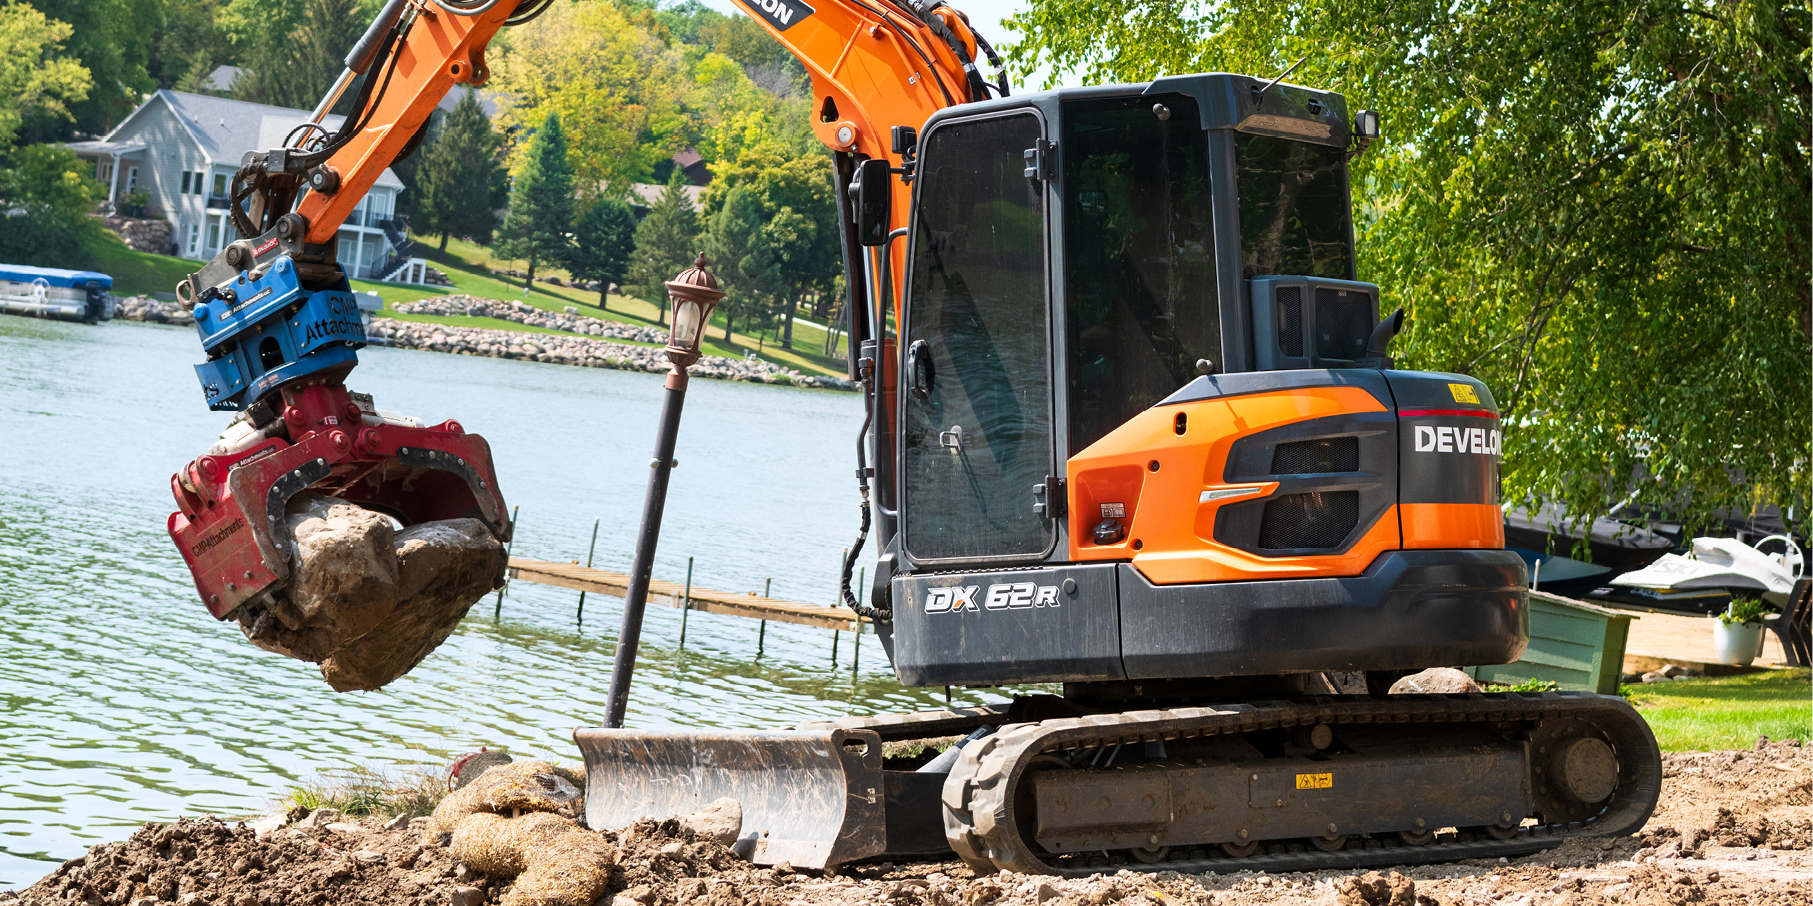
648, 194
225, 129
112, 149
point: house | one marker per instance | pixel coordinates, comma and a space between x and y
184, 148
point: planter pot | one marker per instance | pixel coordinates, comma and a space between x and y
1736, 644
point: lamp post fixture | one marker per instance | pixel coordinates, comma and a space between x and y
695, 293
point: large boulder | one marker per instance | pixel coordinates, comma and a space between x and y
1435, 679
368, 602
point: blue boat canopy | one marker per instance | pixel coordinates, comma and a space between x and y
55, 276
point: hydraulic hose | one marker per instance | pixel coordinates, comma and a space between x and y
867, 372
978, 89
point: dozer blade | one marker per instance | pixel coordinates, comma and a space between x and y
810, 798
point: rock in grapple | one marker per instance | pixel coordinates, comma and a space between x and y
368, 602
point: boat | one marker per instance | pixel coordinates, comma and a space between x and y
50, 292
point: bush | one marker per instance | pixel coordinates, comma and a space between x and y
42, 236
1745, 610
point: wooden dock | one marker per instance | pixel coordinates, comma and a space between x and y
673, 594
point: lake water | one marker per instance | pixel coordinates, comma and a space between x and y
123, 701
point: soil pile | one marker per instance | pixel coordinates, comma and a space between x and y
1732, 828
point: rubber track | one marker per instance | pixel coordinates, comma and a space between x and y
978, 797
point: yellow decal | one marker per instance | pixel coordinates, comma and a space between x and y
1315, 781
1463, 393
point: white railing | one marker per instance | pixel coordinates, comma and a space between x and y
416, 272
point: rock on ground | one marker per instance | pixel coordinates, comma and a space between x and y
367, 602
1435, 679
720, 822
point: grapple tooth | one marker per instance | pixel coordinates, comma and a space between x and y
810, 798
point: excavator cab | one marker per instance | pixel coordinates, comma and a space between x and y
1147, 429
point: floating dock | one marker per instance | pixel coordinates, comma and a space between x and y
674, 594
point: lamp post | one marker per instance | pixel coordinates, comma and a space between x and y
695, 293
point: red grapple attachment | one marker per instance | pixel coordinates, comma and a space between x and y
231, 526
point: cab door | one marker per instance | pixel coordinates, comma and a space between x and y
976, 434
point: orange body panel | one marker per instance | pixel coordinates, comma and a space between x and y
1170, 532
440, 50
1434, 526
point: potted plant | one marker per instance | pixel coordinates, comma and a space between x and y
1738, 634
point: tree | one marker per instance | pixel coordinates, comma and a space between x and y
47, 192
541, 202
667, 241
1603, 215
188, 44
459, 176
39, 81
746, 265
794, 197
293, 48
108, 39
603, 239
616, 87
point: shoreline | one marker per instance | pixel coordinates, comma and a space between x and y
588, 344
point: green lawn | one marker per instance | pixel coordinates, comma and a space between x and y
466, 264
140, 273
1726, 712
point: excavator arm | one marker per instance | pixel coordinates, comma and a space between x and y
278, 322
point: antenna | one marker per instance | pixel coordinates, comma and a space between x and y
1280, 78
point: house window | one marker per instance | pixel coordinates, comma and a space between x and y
186, 177
131, 180
103, 171
199, 178
194, 242
220, 185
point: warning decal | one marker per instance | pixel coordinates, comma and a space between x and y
1315, 781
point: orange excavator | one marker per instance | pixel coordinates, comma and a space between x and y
1132, 429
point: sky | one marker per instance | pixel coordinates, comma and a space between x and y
985, 15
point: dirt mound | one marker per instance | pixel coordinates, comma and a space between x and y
1731, 830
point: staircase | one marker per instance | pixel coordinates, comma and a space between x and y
396, 232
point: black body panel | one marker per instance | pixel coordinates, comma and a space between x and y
1409, 610
1218, 386
1448, 438
1014, 626
1372, 479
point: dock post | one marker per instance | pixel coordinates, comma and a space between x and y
761, 640
686, 604
588, 565
836, 636
497, 610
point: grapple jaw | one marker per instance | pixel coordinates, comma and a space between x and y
231, 524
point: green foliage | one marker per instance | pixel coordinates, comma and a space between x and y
667, 240
108, 39
744, 262
541, 202
603, 238
1727, 712
188, 44
1600, 212
362, 791
1745, 610
46, 193
615, 86
40, 81
1529, 685
458, 177
798, 236
291, 51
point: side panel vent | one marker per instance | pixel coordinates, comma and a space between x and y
1308, 457
1343, 322
1290, 320
1319, 519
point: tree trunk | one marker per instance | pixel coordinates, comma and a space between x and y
528, 283
661, 312
604, 297
443, 241
727, 320
787, 331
